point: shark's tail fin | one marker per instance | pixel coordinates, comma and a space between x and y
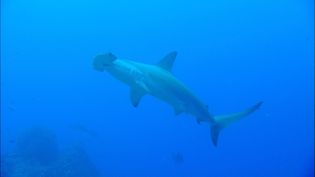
223, 121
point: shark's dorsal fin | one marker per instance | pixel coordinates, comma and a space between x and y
168, 61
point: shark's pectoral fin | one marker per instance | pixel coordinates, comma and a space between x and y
215, 132
168, 61
135, 95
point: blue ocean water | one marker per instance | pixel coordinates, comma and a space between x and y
231, 54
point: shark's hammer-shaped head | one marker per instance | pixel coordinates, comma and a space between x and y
103, 61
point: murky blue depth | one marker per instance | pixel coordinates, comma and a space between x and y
61, 118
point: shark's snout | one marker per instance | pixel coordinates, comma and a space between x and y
104, 60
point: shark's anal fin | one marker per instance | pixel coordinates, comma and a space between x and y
168, 61
135, 95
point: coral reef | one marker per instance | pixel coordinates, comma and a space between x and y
37, 155
38, 145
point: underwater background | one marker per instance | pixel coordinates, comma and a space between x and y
59, 117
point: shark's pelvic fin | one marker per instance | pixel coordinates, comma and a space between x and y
168, 61
223, 121
178, 110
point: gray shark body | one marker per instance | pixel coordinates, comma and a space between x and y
158, 81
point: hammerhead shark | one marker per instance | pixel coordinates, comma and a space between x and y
157, 80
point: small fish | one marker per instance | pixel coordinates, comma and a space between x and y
11, 107
84, 129
178, 158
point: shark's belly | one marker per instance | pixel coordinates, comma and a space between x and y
173, 92
165, 95
163, 85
